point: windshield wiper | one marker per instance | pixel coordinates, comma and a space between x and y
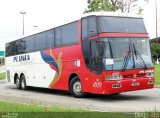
137, 53
126, 58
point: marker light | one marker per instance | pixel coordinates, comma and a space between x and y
150, 74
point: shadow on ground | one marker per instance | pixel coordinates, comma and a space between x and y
115, 97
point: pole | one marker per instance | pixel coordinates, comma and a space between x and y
156, 18
23, 20
23, 24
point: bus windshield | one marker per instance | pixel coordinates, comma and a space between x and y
124, 53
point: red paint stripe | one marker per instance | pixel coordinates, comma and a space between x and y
119, 35
94, 37
123, 35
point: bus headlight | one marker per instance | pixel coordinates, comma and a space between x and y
150, 74
114, 77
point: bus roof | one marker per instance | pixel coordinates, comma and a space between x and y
114, 14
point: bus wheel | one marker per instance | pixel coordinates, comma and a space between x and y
17, 82
23, 83
76, 87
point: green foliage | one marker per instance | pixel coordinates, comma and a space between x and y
113, 5
100, 5
140, 10
155, 49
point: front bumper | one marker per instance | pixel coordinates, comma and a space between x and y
112, 87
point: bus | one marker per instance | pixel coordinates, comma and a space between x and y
101, 53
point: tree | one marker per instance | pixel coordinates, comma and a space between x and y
155, 49
113, 5
99, 5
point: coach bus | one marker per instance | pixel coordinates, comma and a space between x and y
101, 53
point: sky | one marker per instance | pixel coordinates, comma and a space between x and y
50, 13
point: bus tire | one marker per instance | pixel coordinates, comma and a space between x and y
23, 83
17, 82
76, 87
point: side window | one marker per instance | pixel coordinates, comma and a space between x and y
21, 46
58, 36
84, 28
92, 29
10, 48
29, 44
40, 41
15, 47
69, 34
89, 27
50, 38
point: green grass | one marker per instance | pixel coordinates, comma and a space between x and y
17, 107
2, 75
35, 111
157, 73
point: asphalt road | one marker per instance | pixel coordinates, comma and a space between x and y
137, 101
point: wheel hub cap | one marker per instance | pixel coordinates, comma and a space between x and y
77, 87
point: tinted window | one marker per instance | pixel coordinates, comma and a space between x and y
21, 46
92, 29
69, 33
136, 25
29, 44
8, 51
89, 27
121, 24
50, 38
40, 41
64, 35
57, 36
15, 47
84, 28
10, 48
